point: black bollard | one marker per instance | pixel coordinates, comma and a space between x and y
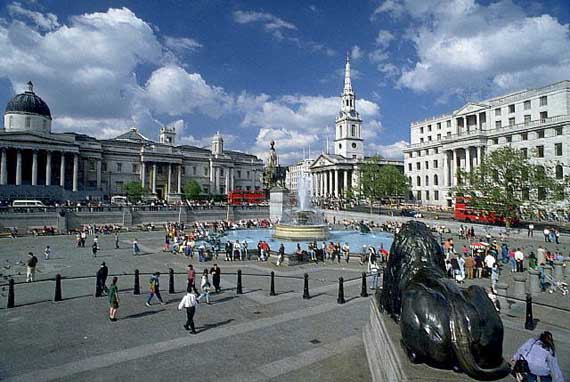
529, 323
239, 289
340, 298
272, 290
57, 296
137, 287
171, 280
306, 294
10, 294
363, 292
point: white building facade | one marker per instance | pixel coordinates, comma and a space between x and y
536, 121
295, 172
39, 164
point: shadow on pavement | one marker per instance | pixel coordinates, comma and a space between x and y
213, 326
143, 314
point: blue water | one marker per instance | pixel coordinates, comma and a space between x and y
355, 240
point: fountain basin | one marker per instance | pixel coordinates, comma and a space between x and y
301, 232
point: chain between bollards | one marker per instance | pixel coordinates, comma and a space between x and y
137, 287
239, 288
529, 322
363, 292
272, 286
170, 280
340, 298
57, 296
306, 294
11, 303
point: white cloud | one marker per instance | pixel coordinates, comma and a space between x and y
356, 53
393, 7
47, 21
384, 39
392, 151
181, 44
271, 23
497, 47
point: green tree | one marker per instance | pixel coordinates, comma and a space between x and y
506, 180
382, 181
134, 191
192, 190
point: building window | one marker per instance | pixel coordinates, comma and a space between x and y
436, 150
409, 167
559, 172
527, 118
429, 138
28, 122
205, 171
540, 151
427, 165
495, 141
427, 195
509, 138
353, 130
436, 195
435, 163
247, 175
135, 168
524, 136
439, 125
527, 105
448, 123
449, 134
558, 131
418, 166
558, 149
421, 130
498, 124
498, 112
91, 165
427, 180
419, 195
540, 134
418, 181
119, 167
429, 128
194, 170
421, 140
524, 153
511, 109
439, 137
221, 172
512, 121
543, 101
543, 115
435, 180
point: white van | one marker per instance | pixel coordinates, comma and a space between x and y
27, 203
119, 200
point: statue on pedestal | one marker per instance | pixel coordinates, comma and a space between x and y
273, 174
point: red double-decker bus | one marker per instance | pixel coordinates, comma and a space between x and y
238, 198
463, 211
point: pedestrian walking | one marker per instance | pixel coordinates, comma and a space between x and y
94, 249
374, 270
346, 252
31, 267
530, 232
116, 240
216, 273
546, 233
191, 273
205, 287
101, 278
494, 277
47, 252
83, 238
540, 356
154, 289
189, 302
136, 249
519, 258
280, 254
113, 300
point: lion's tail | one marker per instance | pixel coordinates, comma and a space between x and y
460, 339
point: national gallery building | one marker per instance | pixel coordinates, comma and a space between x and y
39, 164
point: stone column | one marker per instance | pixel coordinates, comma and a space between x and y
62, 170
154, 178
227, 181
345, 180
75, 171
48, 168
454, 168
3, 169
478, 155
519, 287
252, 179
336, 184
179, 179
34, 168
169, 178
446, 168
217, 179
476, 121
143, 175
534, 281
231, 179
321, 184
468, 159
99, 165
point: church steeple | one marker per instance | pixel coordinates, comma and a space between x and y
347, 84
347, 98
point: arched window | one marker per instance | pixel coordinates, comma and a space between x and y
435, 180
340, 131
559, 172
427, 181
418, 181
353, 130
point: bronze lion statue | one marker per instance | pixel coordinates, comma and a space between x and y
441, 325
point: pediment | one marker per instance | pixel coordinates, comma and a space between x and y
469, 108
323, 160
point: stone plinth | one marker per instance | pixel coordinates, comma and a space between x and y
301, 232
502, 289
278, 203
519, 287
534, 282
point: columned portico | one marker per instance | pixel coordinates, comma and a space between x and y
98, 168
336, 184
48, 168
179, 179
169, 179
62, 170
18, 167
143, 175
153, 186
345, 180
34, 168
75, 171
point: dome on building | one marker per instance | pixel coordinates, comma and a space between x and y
29, 103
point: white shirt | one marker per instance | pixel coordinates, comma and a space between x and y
187, 301
489, 261
519, 256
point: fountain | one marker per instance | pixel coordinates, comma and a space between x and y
302, 223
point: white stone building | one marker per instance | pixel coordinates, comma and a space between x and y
334, 174
294, 173
36, 163
536, 121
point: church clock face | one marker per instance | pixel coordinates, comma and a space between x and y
354, 145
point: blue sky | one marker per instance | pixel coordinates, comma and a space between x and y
263, 70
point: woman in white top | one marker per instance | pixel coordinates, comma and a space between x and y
205, 286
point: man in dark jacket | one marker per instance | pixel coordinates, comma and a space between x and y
216, 273
101, 286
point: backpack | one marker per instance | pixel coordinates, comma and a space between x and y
152, 284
